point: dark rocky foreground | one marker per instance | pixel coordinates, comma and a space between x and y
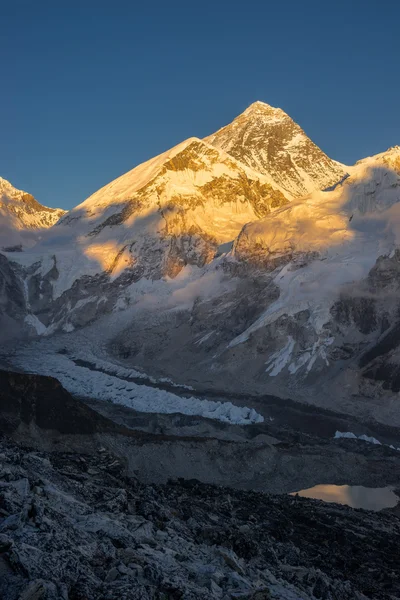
74, 525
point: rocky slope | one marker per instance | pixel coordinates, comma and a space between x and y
75, 523
74, 527
13, 308
269, 141
21, 216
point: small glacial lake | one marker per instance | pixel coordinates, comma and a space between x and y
356, 496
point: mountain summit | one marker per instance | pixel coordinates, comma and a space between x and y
269, 141
21, 215
266, 110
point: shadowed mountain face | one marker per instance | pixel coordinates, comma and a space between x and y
270, 142
30, 400
13, 307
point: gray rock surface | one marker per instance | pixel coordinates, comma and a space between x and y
73, 527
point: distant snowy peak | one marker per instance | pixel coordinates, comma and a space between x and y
269, 141
264, 111
389, 159
20, 212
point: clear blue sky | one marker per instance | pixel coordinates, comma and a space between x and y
89, 89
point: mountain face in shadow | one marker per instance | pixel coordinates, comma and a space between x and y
32, 401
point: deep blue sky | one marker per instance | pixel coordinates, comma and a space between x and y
89, 89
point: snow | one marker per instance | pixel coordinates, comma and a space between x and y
204, 338
267, 139
274, 115
103, 380
279, 360
340, 234
21, 217
36, 324
74, 251
180, 181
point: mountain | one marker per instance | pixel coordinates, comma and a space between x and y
312, 313
202, 263
172, 212
180, 209
21, 216
193, 309
193, 190
270, 142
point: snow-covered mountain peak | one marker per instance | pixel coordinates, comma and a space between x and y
6, 187
21, 215
262, 110
269, 141
390, 158
172, 211
134, 180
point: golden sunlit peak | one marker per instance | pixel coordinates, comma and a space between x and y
260, 104
262, 108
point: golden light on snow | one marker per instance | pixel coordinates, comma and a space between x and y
110, 257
